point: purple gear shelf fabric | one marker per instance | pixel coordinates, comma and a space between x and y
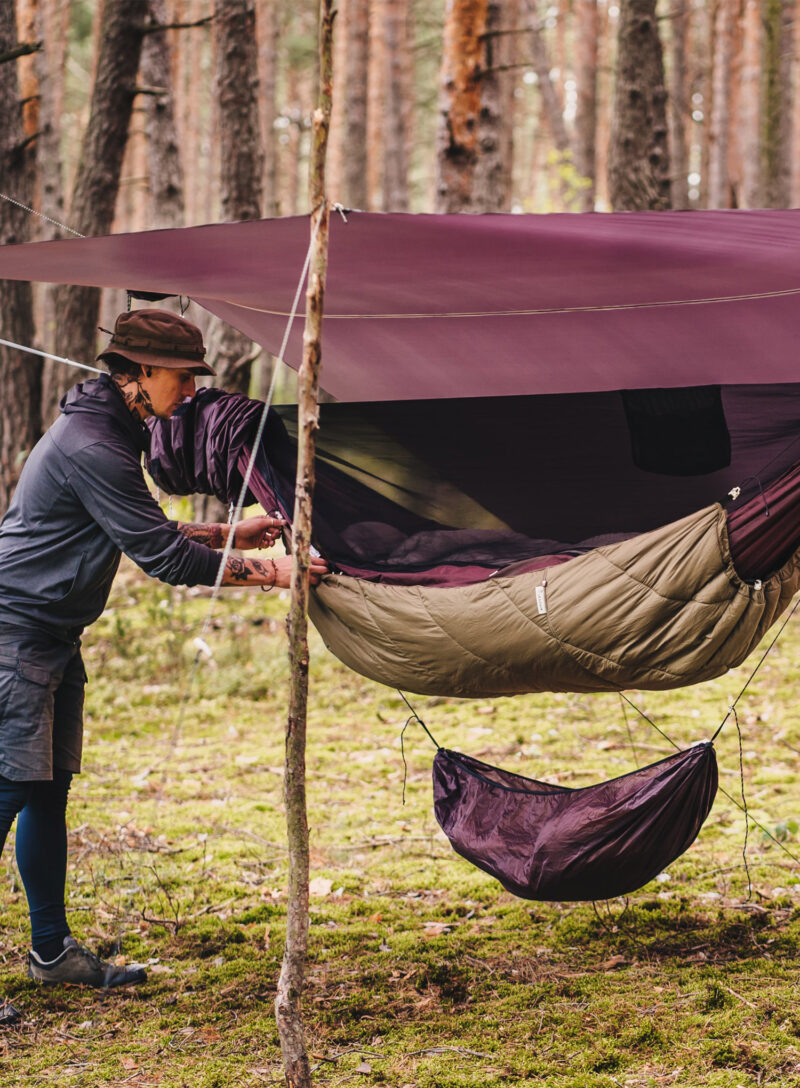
552, 843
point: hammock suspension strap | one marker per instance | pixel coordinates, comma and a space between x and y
741, 805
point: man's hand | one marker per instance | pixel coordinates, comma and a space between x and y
260, 532
317, 568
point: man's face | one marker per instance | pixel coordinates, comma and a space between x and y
165, 388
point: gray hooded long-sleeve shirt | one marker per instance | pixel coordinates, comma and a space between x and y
80, 502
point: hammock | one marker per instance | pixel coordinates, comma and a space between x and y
655, 610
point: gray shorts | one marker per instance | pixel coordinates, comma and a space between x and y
42, 682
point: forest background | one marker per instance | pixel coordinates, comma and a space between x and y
422, 971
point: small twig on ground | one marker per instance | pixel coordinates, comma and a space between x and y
243, 833
738, 997
451, 1050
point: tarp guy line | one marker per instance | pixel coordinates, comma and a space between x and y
47, 355
534, 313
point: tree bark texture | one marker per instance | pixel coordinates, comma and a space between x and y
52, 28
164, 168
748, 120
237, 95
377, 80
397, 92
795, 202
355, 103
97, 181
587, 27
20, 374
288, 1010
267, 42
492, 181
240, 159
605, 94
457, 143
678, 106
777, 126
552, 108
719, 123
638, 157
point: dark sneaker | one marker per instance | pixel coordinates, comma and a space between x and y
76, 964
8, 1014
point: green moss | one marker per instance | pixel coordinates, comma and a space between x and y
419, 964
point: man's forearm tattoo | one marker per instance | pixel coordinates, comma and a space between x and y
211, 534
237, 569
242, 570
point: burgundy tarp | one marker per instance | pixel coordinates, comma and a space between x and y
439, 306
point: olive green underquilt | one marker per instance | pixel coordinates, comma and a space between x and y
661, 610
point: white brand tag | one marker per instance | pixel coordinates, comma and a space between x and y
541, 600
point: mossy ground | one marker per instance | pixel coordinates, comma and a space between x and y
423, 971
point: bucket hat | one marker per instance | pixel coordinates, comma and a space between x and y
158, 338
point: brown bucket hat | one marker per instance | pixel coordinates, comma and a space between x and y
158, 338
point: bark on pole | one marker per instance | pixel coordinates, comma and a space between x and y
288, 1012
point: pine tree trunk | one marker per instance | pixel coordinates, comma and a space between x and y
492, 181
551, 102
396, 106
722, 38
678, 106
97, 182
240, 157
20, 374
334, 167
457, 146
562, 35
267, 38
796, 110
288, 1012
165, 172
586, 45
605, 94
777, 126
377, 66
291, 171
355, 104
638, 157
749, 115
52, 28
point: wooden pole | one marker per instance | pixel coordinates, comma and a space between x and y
288, 1011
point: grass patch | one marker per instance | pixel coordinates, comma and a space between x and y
423, 972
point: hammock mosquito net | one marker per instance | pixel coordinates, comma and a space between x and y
562, 456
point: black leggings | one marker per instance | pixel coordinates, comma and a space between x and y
41, 849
